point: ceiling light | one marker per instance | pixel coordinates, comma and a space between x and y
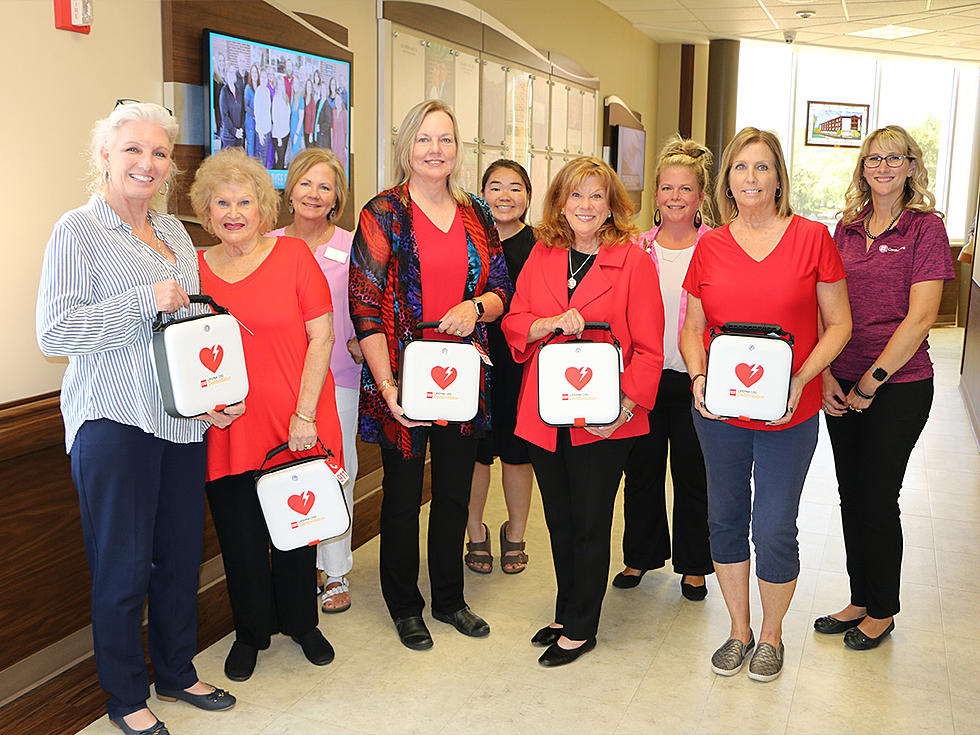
889, 32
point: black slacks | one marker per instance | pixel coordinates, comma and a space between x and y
271, 591
578, 489
646, 539
871, 453
452, 455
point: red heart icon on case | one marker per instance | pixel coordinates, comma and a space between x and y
301, 503
211, 357
748, 374
444, 376
578, 378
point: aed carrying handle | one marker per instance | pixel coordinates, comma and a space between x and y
195, 298
751, 328
589, 326
284, 447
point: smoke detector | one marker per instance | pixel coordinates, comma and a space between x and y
805, 14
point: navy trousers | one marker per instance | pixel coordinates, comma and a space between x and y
142, 509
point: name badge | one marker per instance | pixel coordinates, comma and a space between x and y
338, 256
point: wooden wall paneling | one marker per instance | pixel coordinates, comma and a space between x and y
496, 43
435, 21
685, 112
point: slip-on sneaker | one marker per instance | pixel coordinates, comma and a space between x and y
728, 660
767, 662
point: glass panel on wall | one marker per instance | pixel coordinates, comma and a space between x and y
518, 108
471, 173
408, 74
961, 208
540, 112
467, 93
574, 117
539, 185
440, 70
494, 94
588, 124
559, 117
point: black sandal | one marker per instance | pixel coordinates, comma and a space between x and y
511, 552
478, 553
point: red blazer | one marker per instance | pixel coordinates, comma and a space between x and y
621, 288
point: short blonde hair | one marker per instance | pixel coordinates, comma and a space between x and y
685, 153
727, 209
916, 195
306, 160
405, 142
105, 131
554, 230
233, 165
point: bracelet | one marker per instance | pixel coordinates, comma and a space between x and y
860, 394
699, 375
305, 418
387, 383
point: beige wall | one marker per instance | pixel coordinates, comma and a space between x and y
42, 148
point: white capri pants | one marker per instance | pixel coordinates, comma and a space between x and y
334, 556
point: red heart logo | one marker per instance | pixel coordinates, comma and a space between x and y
748, 374
302, 503
578, 378
211, 357
444, 376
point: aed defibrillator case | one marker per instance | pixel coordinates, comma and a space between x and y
440, 379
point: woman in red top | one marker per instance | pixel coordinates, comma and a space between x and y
584, 267
769, 266
278, 292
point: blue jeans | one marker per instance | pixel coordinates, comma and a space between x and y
777, 461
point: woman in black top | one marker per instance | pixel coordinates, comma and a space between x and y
507, 189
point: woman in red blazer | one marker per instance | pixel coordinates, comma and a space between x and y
584, 268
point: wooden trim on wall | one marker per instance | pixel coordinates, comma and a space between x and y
685, 111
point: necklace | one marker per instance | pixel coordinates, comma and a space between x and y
867, 230
572, 283
155, 242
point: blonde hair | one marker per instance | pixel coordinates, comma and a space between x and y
727, 209
554, 230
234, 166
104, 133
405, 142
685, 153
916, 195
306, 160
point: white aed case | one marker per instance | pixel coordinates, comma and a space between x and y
440, 379
303, 500
579, 380
749, 371
200, 361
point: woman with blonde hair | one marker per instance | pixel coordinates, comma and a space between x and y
585, 267
424, 251
315, 194
683, 177
275, 288
765, 265
878, 392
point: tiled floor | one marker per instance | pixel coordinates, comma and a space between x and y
650, 672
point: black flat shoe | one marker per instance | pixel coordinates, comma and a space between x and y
213, 701
316, 648
240, 662
546, 636
829, 625
627, 581
555, 655
860, 641
465, 621
694, 593
157, 728
413, 633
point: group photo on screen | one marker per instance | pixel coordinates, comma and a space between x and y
274, 102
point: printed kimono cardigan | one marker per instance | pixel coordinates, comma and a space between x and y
385, 294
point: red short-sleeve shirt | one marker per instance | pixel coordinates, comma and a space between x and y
273, 303
781, 289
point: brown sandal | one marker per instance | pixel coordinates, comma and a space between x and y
511, 553
478, 554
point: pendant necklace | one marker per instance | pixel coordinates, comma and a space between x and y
572, 283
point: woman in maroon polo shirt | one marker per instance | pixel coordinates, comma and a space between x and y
878, 392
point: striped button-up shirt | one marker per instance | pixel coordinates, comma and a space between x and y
95, 304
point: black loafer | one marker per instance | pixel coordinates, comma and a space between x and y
546, 636
316, 648
465, 621
627, 581
860, 641
555, 655
413, 633
214, 701
157, 728
694, 593
240, 662
829, 625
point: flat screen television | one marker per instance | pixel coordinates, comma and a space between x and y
630, 156
274, 101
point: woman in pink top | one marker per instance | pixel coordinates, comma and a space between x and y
316, 192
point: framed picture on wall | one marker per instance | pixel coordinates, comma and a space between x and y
836, 124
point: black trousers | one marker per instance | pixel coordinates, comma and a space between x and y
646, 539
271, 591
452, 456
871, 452
578, 489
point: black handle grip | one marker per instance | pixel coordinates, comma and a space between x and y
602, 326
751, 328
598, 325
425, 325
194, 298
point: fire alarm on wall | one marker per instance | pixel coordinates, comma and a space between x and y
73, 15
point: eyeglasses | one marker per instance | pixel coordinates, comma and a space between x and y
130, 101
893, 161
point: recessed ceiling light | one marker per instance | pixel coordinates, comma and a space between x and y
889, 32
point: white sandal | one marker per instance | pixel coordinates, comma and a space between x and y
330, 592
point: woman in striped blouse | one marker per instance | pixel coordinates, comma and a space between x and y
109, 268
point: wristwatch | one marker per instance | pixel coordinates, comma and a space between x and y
479, 308
629, 414
879, 374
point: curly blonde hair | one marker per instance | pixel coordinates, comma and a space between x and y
681, 152
233, 165
306, 160
405, 142
916, 195
554, 230
727, 209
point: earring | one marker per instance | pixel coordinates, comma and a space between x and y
291, 206
657, 217
106, 176
728, 193
166, 188
698, 219
779, 192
